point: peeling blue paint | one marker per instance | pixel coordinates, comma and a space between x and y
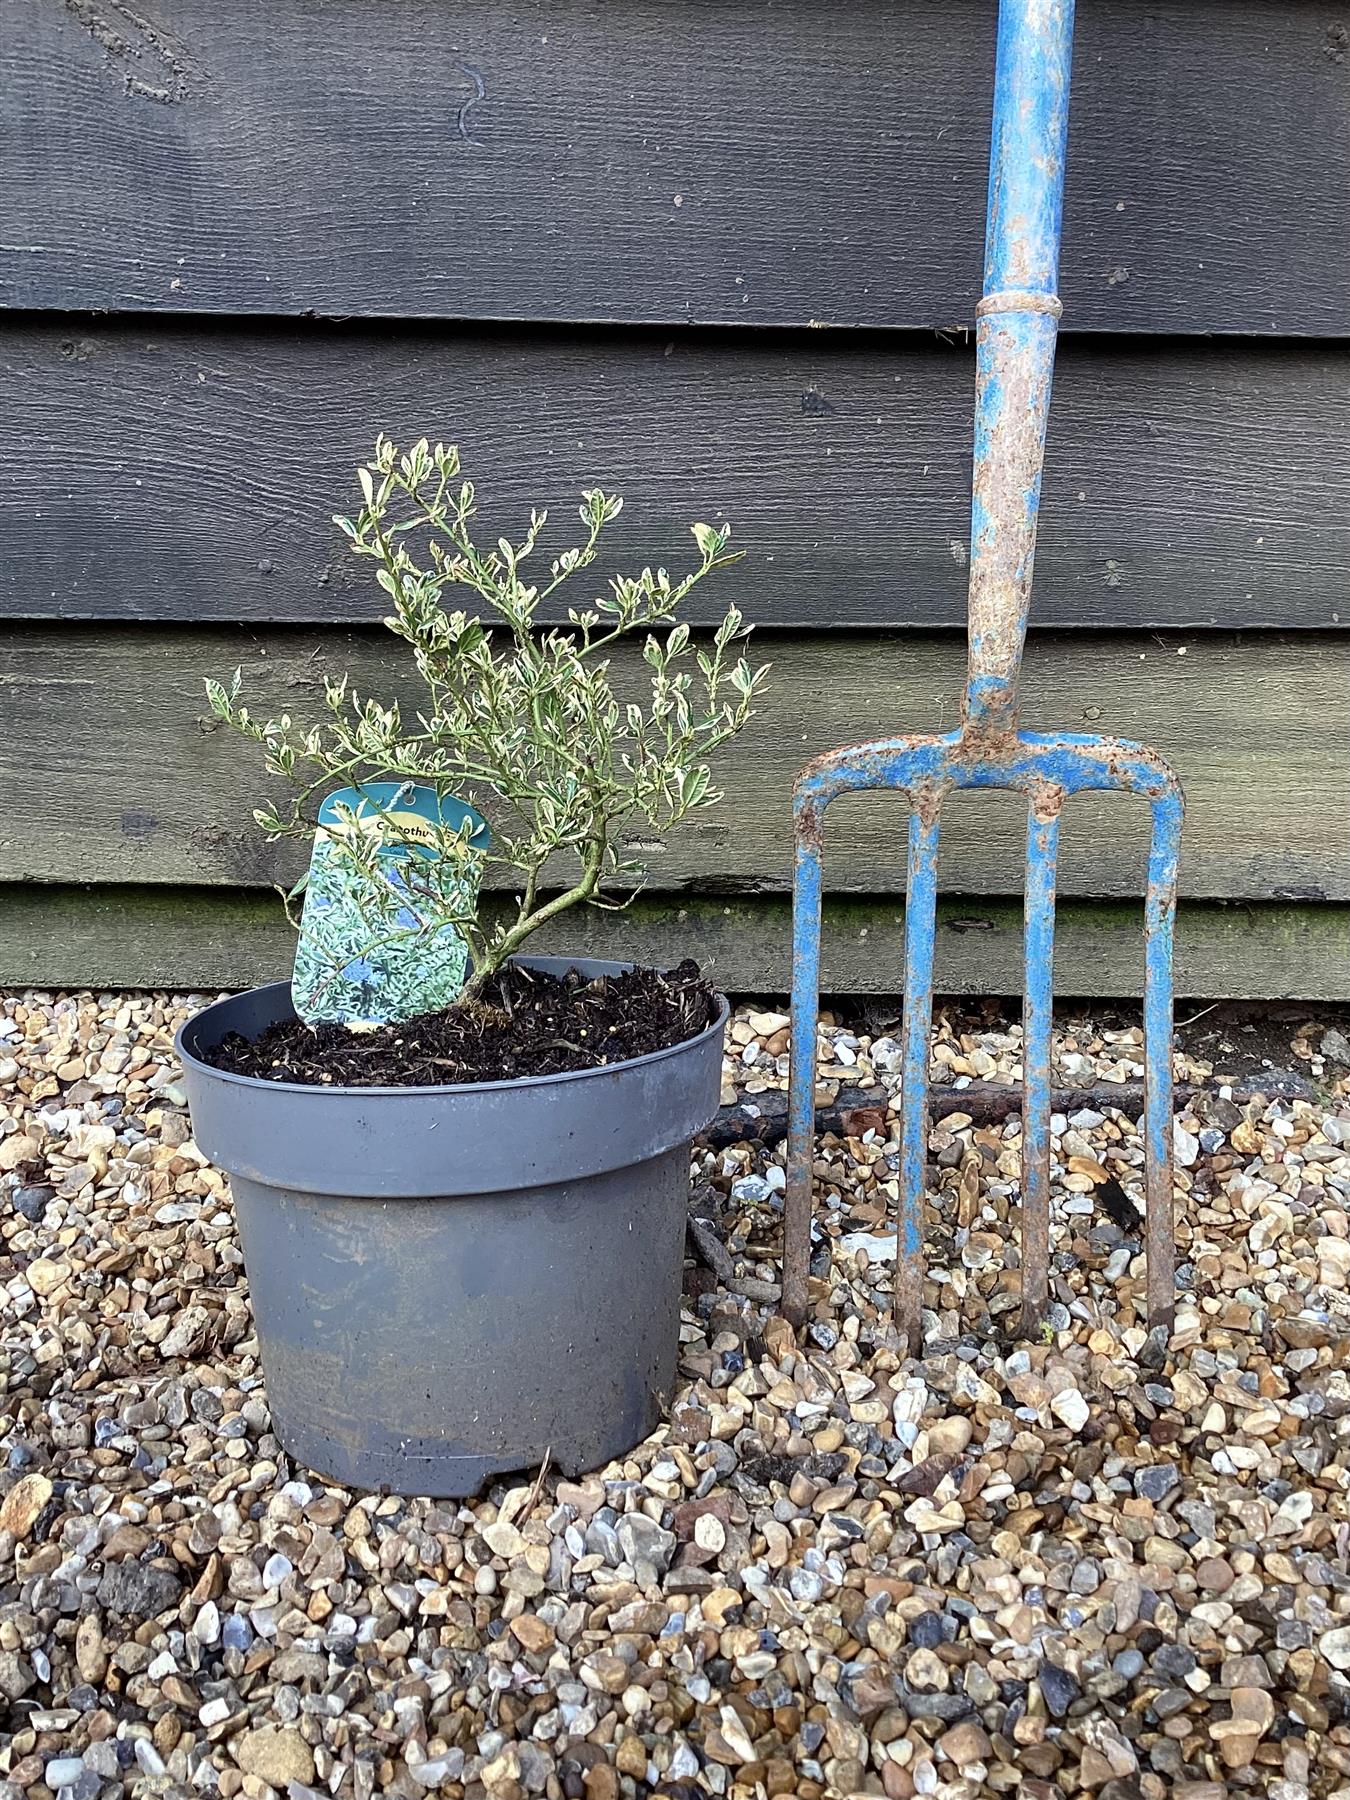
1018, 324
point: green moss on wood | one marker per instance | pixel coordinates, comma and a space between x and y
208, 938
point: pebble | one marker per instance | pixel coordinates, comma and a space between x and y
91, 1658
32, 1202
148, 1759
646, 1546
434, 1771
1103, 1560
1059, 1690
138, 1589
45, 1275
275, 1754
24, 1504
1070, 1408
1156, 1482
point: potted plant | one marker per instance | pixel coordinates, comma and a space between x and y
463, 1222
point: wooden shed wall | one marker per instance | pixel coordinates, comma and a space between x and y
724, 259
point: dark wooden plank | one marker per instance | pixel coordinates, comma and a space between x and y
182, 474
204, 939
109, 774
763, 163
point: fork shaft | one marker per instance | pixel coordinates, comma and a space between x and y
1015, 346
1026, 148
1037, 1016
920, 926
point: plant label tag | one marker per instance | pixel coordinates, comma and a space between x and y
393, 865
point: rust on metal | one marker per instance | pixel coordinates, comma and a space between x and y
1047, 801
797, 1235
926, 802
1013, 405
1016, 331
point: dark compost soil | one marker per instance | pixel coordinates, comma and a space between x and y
525, 1023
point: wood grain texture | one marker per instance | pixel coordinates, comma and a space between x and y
112, 773
171, 473
763, 163
205, 939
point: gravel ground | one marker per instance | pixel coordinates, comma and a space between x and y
1095, 1564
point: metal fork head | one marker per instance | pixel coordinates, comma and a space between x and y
1046, 768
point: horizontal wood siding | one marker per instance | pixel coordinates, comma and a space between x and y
723, 259
115, 773
189, 473
765, 162
204, 939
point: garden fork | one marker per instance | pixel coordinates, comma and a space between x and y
1017, 323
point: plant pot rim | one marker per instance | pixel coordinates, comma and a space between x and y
445, 1089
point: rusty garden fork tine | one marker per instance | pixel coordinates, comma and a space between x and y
1045, 769
916, 1029
1160, 908
1037, 1022
805, 1014
920, 932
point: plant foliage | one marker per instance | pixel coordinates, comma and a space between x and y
522, 721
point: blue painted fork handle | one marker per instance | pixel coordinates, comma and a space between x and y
1026, 150
1018, 322
1015, 346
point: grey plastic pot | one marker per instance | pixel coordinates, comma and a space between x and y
451, 1283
